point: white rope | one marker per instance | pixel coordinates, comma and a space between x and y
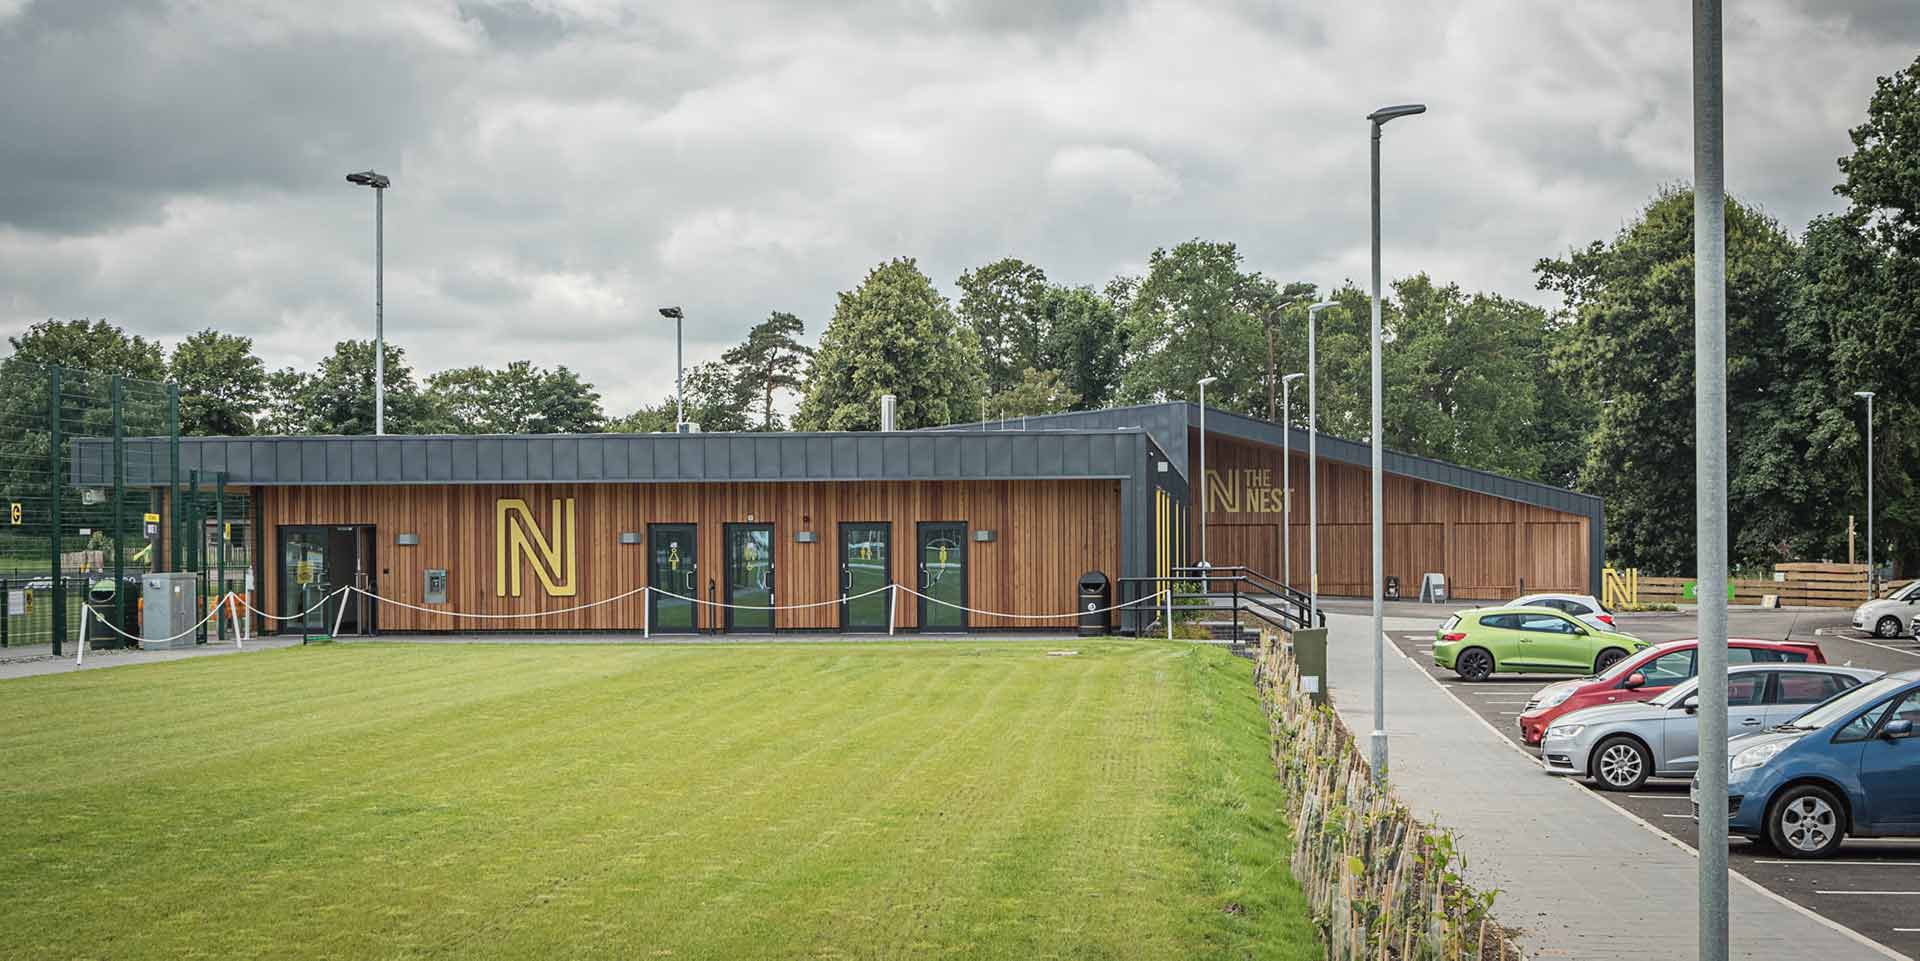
158, 640
787, 607
292, 617
496, 617
1035, 617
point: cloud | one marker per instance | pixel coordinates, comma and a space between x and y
563, 167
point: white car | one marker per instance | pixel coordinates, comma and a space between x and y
1888, 617
1583, 607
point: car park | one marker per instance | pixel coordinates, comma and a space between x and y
1887, 616
1620, 746
1586, 607
1526, 640
1642, 676
1848, 767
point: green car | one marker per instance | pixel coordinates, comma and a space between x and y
1526, 640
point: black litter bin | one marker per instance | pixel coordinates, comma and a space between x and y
1096, 595
1392, 593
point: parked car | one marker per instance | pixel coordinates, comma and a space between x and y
1847, 767
1478, 643
1586, 607
1886, 617
1651, 672
1619, 746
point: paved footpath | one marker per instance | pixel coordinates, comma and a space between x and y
1579, 877
32, 661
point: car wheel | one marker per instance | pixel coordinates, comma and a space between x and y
1622, 764
1607, 658
1806, 822
1473, 664
1888, 627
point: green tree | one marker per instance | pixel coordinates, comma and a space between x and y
1197, 314
1632, 306
517, 399
89, 345
771, 359
1006, 303
283, 405
338, 399
653, 419
1039, 392
895, 335
222, 384
1084, 344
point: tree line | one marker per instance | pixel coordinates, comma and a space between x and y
1595, 394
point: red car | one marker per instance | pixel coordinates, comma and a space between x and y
1638, 677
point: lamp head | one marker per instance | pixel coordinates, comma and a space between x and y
1290, 378
1323, 305
1384, 114
1863, 393
1204, 381
367, 178
671, 313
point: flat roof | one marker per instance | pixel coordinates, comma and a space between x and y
614, 458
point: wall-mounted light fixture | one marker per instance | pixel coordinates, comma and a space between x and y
983, 536
407, 539
805, 537
629, 537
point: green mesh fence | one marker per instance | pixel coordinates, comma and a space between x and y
65, 546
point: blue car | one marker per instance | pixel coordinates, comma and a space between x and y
1847, 767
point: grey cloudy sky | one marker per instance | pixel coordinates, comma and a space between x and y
562, 167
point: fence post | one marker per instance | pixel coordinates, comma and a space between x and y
119, 511
6, 611
220, 531
59, 587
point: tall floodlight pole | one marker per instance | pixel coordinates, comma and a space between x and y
1378, 742
1204, 381
379, 183
1313, 456
1286, 476
1710, 467
679, 319
1871, 594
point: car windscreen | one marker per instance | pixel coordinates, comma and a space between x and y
1841, 706
1908, 593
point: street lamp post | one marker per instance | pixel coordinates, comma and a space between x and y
379, 183
1204, 381
1871, 594
679, 319
1313, 457
1286, 476
1377, 743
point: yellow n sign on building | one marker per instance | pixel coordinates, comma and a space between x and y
517, 533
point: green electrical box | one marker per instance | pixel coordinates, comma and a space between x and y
1310, 657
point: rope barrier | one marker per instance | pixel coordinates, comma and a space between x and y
495, 617
290, 617
971, 610
215, 612
784, 607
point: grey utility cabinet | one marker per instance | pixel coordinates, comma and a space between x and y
168, 608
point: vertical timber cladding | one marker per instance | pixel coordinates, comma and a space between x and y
1484, 544
1046, 533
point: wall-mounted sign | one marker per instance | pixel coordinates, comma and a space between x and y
517, 535
151, 518
1246, 490
13, 513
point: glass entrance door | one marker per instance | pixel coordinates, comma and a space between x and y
943, 576
749, 577
316, 561
866, 551
674, 573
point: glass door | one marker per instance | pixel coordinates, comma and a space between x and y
674, 573
943, 576
866, 551
305, 577
749, 577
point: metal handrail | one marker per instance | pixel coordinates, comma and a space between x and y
1294, 609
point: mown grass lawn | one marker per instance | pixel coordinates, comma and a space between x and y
931, 799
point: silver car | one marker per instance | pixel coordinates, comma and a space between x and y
1619, 746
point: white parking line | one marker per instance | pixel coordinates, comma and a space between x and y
1660, 797
1687, 817
1888, 864
1884, 647
1872, 893
1905, 930
1509, 713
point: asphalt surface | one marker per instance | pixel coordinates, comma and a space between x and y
1871, 886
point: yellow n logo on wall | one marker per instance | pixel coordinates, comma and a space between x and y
517, 533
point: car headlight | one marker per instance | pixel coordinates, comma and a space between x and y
1565, 730
1556, 699
1756, 756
